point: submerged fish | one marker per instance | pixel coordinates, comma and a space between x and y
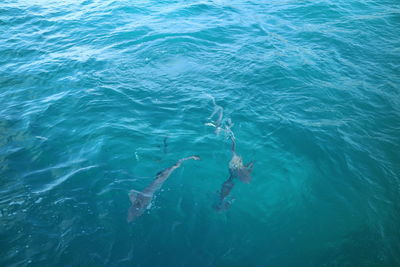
236, 170
236, 167
142, 200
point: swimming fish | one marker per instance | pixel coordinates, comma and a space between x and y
236, 167
236, 170
142, 200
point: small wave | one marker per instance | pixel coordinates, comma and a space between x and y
63, 178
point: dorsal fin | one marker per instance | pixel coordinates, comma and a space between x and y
133, 195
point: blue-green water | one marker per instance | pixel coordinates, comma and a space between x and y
90, 89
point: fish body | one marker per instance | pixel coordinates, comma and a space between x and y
236, 167
237, 170
223, 202
142, 200
240, 171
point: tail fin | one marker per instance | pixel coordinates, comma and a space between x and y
223, 205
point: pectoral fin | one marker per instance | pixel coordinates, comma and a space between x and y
244, 175
250, 166
133, 195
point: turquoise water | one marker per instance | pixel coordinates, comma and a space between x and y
96, 97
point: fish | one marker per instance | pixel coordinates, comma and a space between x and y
141, 201
236, 167
237, 170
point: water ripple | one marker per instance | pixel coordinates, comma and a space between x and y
89, 91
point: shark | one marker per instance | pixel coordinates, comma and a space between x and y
141, 201
237, 170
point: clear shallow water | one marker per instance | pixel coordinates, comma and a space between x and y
89, 90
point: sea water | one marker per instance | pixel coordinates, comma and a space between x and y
96, 97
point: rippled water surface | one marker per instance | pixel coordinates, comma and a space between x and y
96, 97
